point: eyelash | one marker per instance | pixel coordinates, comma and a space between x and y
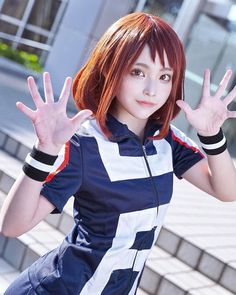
135, 72
169, 77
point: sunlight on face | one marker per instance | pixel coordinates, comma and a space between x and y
143, 90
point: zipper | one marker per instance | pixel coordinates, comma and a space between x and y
155, 192
150, 174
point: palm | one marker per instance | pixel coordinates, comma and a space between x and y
212, 111
52, 126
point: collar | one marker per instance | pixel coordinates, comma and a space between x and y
121, 131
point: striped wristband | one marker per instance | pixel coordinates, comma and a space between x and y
213, 145
38, 165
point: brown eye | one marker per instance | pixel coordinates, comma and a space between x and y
166, 77
137, 72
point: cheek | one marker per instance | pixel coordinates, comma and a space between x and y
165, 91
165, 94
168, 91
126, 87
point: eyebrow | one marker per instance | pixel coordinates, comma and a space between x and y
147, 67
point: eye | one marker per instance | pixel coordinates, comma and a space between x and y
137, 72
166, 77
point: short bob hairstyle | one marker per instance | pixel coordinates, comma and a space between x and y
95, 85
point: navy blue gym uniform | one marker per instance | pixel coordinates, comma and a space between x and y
121, 190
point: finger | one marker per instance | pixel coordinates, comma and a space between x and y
223, 84
65, 93
206, 84
48, 92
79, 118
231, 114
184, 106
230, 97
34, 92
24, 109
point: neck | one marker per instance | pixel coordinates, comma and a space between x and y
137, 126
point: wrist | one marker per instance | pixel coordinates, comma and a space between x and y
38, 164
208, 134
214, 144
49, 149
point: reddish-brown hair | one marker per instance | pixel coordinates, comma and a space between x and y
95, 85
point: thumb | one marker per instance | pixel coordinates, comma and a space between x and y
24, 109
79, 118
184, 106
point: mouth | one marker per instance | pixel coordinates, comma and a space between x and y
145, 103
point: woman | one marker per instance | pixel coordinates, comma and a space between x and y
116, 157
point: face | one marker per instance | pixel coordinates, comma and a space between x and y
143, 90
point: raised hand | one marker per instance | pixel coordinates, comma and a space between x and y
212, 111
52, 126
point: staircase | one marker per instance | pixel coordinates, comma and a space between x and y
196, 249
195, 252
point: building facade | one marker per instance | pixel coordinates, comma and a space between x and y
65, 31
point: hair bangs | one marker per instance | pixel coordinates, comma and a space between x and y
96, 84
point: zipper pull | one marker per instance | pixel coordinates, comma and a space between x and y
144, 150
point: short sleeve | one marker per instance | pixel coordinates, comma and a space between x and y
186, 153
66, 178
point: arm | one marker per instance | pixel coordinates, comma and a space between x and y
214, 178
217, 174
24, 207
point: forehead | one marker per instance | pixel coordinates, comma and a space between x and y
145, 57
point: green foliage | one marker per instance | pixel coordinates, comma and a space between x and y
30, 61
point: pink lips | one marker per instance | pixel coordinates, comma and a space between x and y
145, 103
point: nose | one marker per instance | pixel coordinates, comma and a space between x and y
150, 89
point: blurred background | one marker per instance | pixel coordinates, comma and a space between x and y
38, 34
58, 36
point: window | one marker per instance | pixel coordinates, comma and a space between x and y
166, 9
30, 25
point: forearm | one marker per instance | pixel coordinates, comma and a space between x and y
19, 206
24, 207
223, 176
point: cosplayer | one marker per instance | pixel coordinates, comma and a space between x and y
117, 158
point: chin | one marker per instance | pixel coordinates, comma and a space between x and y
143, 116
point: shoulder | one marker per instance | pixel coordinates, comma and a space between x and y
177, 137
176, 134
89, 129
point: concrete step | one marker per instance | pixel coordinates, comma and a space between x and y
10, 168
201, 231
177, 239
163, 274
167, 275
13, 145
22, 251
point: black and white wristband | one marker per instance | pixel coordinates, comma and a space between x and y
38, 165
213, 145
